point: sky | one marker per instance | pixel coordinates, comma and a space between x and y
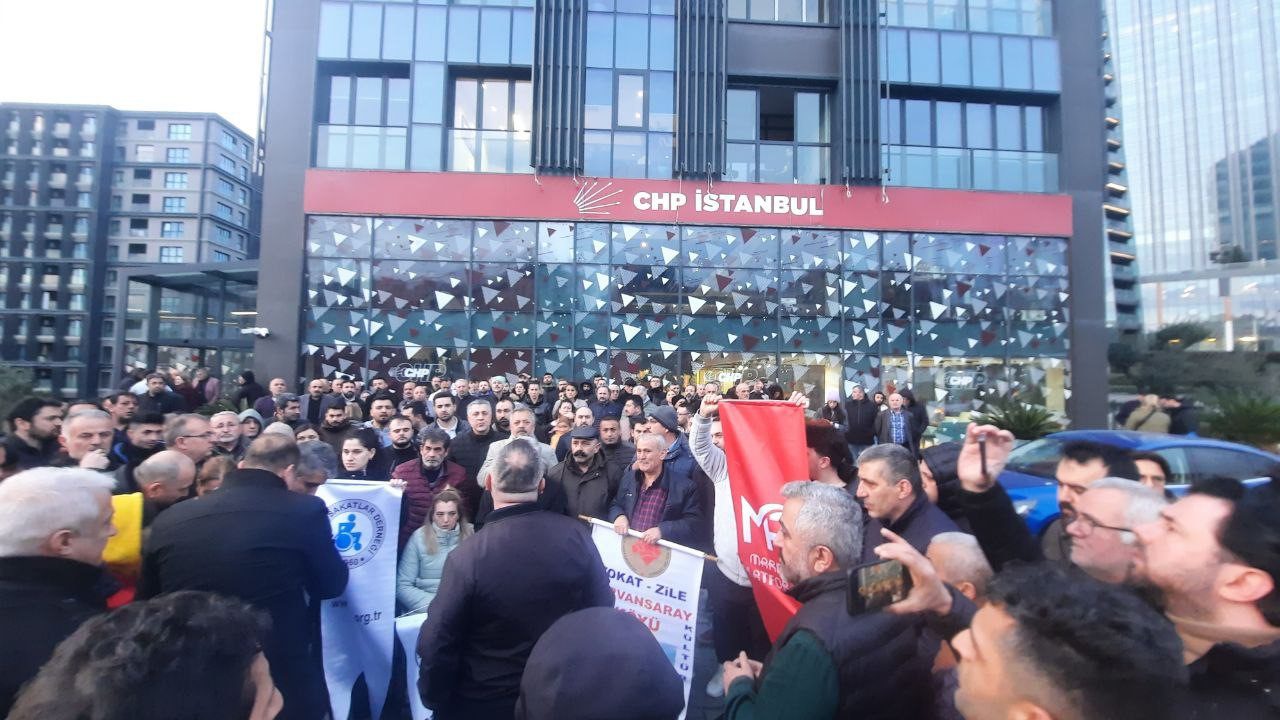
160, 55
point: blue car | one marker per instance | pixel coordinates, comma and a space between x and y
1029, 475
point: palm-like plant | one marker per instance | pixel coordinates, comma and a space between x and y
1024, 420
1253, 419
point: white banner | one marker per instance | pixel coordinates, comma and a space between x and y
357, 628
407, 629
659, 585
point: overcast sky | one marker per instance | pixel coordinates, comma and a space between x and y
178, 55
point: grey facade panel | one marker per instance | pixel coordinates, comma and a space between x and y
294, 43
559, 67
701, 80
1082, 172
859, 92
763, 50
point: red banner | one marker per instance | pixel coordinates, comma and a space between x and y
765, 448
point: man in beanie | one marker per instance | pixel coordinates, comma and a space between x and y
572, 673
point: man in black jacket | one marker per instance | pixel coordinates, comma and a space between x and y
255, 540
143, 438
617, 452
587, 480
827, 663
35, 424
54, 524
470, 448
500, 591
890, 489
860, 421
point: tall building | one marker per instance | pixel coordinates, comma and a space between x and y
88, 190
1124, 299
807, 191
1201, 94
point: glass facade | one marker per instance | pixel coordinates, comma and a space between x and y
1200, 87
1013, 17
955, 315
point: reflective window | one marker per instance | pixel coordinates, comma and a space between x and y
599, 99
490, 131
495, 36
986, 61
1016, 58
428, 92
948, 124
791, 11
335, 22
366, 31
368, 105
630, 101
741, 115
599, 40
662, 43
633, 52
430, 40
894, 57
918, 122
522, 37
464, 28
955, 58
1008, 128
397, 33
1044, 64
924, 57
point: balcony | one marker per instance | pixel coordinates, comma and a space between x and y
33, 182
20, 338
71, 339
53, 232
75, 285
24, 282
62, 130
84, 184
11, 130
45, 336
88, 133
49, 282
1129, 298
961, 169
80, 233
58, 180
7, 181
1124, 272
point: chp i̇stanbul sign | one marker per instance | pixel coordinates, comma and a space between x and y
479, 195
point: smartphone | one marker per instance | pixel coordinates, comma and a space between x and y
875, 585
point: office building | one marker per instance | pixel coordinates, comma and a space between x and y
88, 190
797, 190
1200, 84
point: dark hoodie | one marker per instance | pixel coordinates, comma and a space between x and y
250, 391
571, 674
128, 457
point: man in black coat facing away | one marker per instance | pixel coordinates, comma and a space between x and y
54, 524
501, 589
255, 540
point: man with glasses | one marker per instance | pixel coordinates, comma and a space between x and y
226, 435
190, 435
1103, 542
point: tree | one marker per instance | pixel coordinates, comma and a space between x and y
1122, 356
1250, 418
15, 384
1180, 336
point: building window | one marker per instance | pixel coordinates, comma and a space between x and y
175, 204
222, 210
223, 187
84, 200
219, 256
179, 131
490, 129
243, 195
977, 146
222, 235
146, 125
1013, 17
779, 135
144, 153
789, 11
227, 164
113, 228
175, 180
138, 229
170, 254
178, 155
228, 140
172, 229
142, 175
81, 226
363, 123
117, 178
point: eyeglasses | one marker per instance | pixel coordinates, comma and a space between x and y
206, 436
1088, 524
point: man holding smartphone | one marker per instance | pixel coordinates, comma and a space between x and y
827, 663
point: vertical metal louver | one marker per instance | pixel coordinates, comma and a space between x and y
559, 59
859, 161
701, 80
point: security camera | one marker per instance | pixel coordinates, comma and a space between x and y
258, 331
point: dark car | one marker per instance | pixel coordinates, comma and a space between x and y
1029, 475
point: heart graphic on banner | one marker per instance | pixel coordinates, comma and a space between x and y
648, 552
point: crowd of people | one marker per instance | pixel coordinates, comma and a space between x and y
156, 562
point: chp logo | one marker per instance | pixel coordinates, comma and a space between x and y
359, 530
595, 199
413, 371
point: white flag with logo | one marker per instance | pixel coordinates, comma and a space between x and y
658, 584
357, 628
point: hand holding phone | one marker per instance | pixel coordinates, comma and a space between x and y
877, 585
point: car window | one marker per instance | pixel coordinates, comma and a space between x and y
1178, 464
1219, 462
1038, 457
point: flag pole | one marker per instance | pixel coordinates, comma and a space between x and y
664, 543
